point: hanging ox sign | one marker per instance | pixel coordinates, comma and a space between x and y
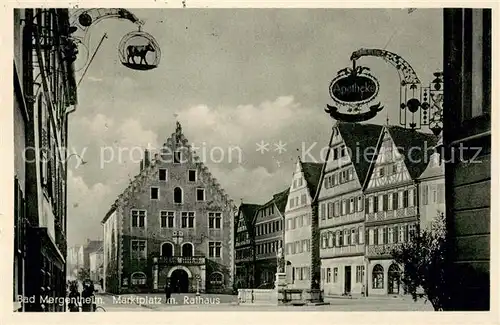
351, 89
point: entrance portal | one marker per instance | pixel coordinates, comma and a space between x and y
394, 279
347, 280
179, 281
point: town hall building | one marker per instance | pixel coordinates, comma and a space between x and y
173, 223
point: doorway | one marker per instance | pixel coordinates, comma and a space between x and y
179, 281
394, 276
347, 279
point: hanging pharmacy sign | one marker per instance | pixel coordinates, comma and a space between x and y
352, 90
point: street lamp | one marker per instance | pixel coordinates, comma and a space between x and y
198, 281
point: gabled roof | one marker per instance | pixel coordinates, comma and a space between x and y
416, 161
249, 213
281, 199
312, 175
360, 138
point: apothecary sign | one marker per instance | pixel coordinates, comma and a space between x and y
351, 89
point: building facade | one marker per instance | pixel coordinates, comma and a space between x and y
74, 261
467, 124
244, 246
44, 95
269, 233
174, 223
96, 268
341, 208
392, 203
298, 250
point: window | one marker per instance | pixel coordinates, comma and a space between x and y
177, 157
347, 237
371, 237
440, 193
303, 199
192, 175
162, 175
214, 249
187, 219
354, 239
300, 182
351, 205
167, 219
335, 153
323, 212
328, 275
336, 207
330, 239
341, 238
304, 245
154, 193
375, 236
385, 235
385, 202
405, 199
324, 241
361, 235
425, 195
360, 203
360, 273
187, 249
291, 203
200, 194
335, 274
178, 197
395, 200
138, 218
330, 210
381, 172
378, 277
216, 278
370, 204
138, 249
344, 207
138, 278
167, 249
215, 220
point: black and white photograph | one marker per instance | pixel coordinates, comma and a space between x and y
251, 159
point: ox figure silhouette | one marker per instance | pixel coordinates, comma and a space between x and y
140, 51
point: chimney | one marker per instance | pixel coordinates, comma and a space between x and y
142, 165
146, 158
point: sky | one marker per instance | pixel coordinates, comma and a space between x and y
232, 78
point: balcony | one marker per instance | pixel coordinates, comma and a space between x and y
376, 250
181, 260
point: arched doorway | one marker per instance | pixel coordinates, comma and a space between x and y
394, 277
167, 249
179, 281
187, 249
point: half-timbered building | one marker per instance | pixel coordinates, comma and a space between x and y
392, 202
244, 246
341, 207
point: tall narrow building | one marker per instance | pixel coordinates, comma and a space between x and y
299, 251
173, 223
392, 195
244, 246
341, 208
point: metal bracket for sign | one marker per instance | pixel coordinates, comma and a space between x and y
419, 106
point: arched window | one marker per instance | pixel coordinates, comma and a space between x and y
324, 241
138, 278
187, 249
393, 275
167, 249
330, 239
216, 278
378, 277
178, 195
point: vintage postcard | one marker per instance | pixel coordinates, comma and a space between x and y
199, 159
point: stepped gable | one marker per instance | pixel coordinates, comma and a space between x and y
360, 139
416, 161
281, 199
176, 140
312, 175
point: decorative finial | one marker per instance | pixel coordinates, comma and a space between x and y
387, 119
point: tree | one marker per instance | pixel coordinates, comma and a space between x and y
83, 273
425, 265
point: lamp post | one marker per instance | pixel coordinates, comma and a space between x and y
198, 280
